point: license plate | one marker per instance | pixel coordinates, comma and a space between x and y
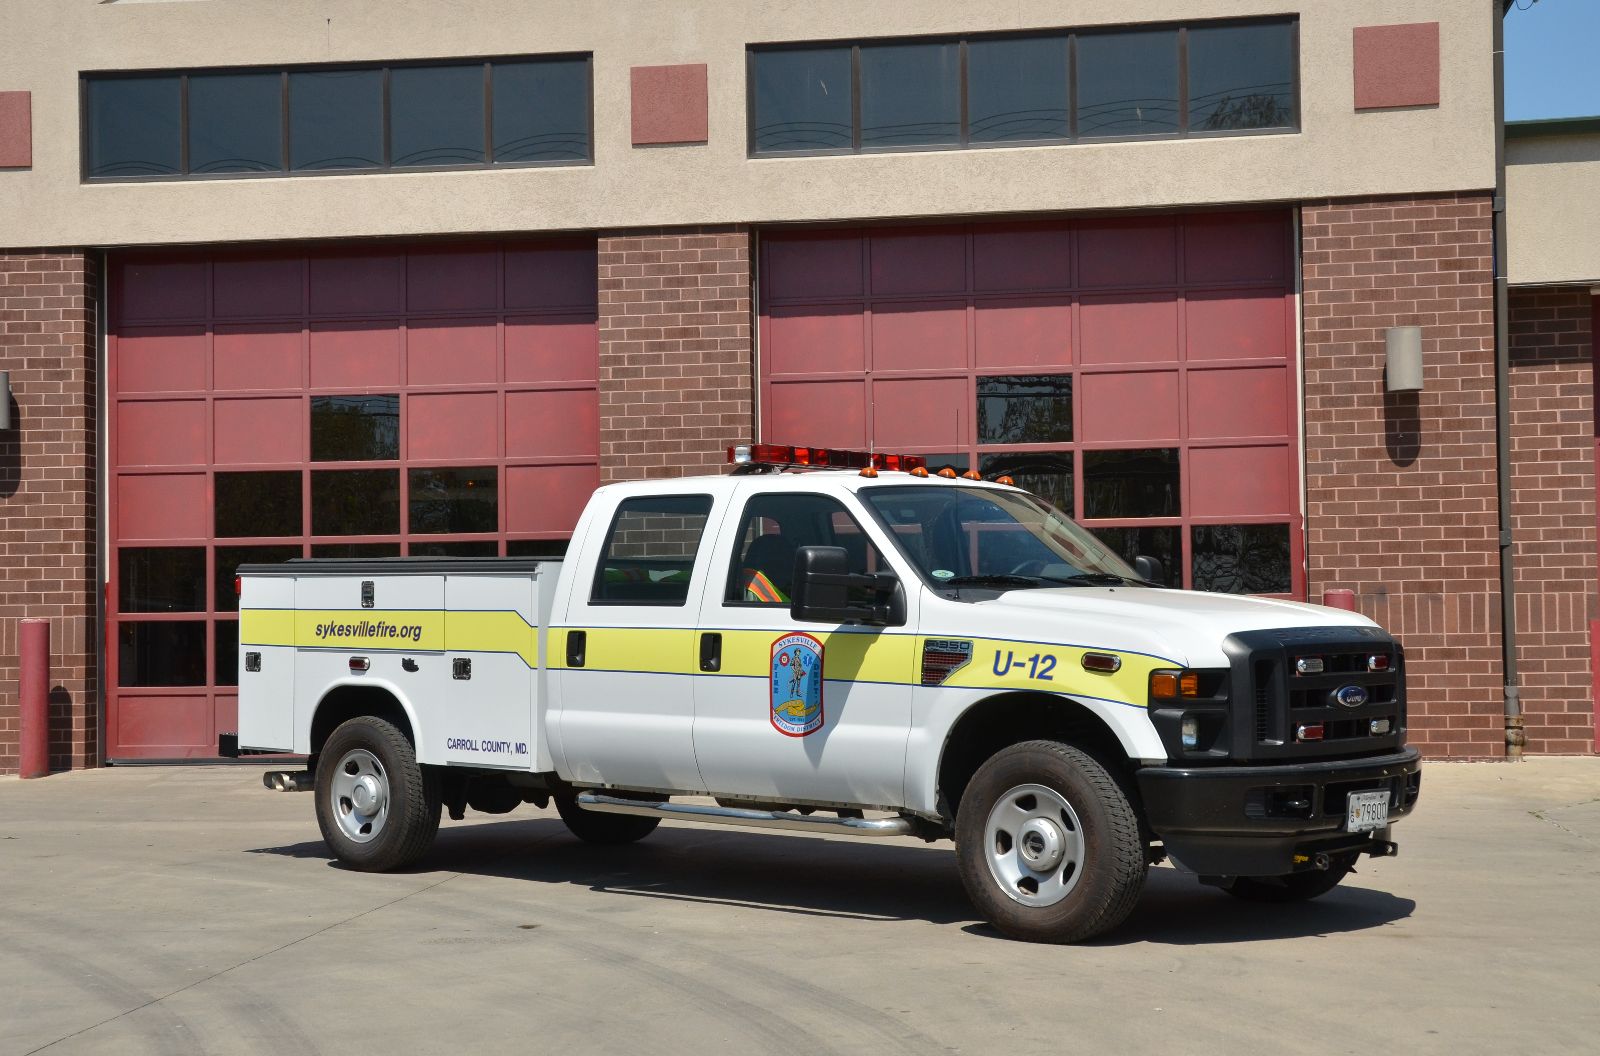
1367, 811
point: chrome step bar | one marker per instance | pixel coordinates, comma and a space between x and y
760, 819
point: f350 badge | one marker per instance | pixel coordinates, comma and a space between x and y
796, 685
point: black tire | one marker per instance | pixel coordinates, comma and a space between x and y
1112, 871
1296, 887
413, 797
611, 830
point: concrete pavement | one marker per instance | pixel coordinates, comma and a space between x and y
187, 910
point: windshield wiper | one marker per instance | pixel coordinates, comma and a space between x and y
1093, 579
996, 580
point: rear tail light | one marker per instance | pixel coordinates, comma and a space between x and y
360, 664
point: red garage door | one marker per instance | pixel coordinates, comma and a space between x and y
1138, 372
437, 400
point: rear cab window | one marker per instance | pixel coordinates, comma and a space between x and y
649, 552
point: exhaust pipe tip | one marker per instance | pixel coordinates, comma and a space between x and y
288, 780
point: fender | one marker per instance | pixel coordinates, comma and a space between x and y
303, 733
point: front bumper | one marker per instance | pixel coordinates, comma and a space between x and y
1270, 820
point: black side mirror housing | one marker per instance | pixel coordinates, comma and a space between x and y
822, 587
1149, 569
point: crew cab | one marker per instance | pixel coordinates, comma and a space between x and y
840, 642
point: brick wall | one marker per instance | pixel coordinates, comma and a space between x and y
1553, 511
1401, 503
676, 383
47, 475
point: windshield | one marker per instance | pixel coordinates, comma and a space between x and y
959, 536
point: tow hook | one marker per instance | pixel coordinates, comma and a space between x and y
289, 780
1382, 849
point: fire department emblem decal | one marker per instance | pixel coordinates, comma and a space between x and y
796, 685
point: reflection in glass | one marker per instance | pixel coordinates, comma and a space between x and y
455, 500
235, 122
258, 504
1046, 475
1161, 543
171, 653
910, 95
229, 558
537, 547
355, 550
470, 548
1017, 89
133, 126
161, 579
1241, 77
541, 110
335, 119
1131, 483
959, 461
1241, 558
355, 428
226, 665
1025, 409
436, 115
355, 502
1128, 83
801, 99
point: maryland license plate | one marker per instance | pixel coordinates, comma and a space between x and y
1367, 811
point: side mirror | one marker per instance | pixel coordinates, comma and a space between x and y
1149, 568
822, 586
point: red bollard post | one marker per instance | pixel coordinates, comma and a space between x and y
1340, 599
34, 693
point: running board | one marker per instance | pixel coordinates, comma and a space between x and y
760, 819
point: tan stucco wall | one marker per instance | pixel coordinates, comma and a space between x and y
1340, 152
1553, 209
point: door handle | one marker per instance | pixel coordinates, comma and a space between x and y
577, 645
711, 651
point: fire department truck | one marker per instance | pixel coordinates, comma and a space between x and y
844, 643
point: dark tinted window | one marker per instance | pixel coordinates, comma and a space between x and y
1017, 89
436, 115
335, 119
355, 428
352, 550
910, 94
1131, 483
226, 634
959, 461
454, 500
228, 560
1241, 77
134, 127
1128, 83
235, 122
773, 530
536, 548
171, 653
1161, 543
1025, 409
258, 504
802, 99
541, 111
161, 579
650, 550
1048, 476
480, 548
355, 502
1241, 558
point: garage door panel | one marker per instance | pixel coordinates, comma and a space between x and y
918, 262
1238, 325
547, 499
1239, 481
1033, 332
259, 431
1133, 253
815, 339
176, 726
1022, 258
451, 352
161, 433
255, 288
455, 426
451, 280
1135, 406
812, 267
354, 355
920, 336
260, 356
357, 284
154, 507
551, 276
817, 413
1236, 247
555, 422
552, 348
160, 290
1129, 328
1239, 402
920, 412
160, 359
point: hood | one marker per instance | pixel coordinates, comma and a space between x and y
1184, 626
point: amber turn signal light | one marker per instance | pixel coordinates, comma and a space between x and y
1164, 684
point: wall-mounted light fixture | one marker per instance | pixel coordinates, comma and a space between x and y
1403, 366
5, 400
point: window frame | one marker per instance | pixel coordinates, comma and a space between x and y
1070, 35
595, 601
487, 62
735, 550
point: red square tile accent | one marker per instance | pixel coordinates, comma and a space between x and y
669, 104
16, 130
1397, 65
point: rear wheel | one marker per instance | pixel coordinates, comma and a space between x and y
377, 808
592, 826
1048, 844
1296, 887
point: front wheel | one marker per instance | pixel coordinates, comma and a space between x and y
377, 808
1048, 844
1296, 887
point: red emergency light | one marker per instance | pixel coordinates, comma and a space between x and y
820, 458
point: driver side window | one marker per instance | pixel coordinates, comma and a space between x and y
773, 529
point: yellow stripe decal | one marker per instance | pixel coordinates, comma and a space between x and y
373, 630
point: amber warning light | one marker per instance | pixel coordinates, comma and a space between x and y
820, 458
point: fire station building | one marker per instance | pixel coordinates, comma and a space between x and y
285, 278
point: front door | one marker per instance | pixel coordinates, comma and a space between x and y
787, 710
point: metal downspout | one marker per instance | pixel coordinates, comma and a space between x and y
1515, 737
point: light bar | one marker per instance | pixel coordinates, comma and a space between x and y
820, 458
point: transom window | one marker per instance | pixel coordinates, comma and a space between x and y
1048, 87
213, 123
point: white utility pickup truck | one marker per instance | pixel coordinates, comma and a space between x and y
838, 642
